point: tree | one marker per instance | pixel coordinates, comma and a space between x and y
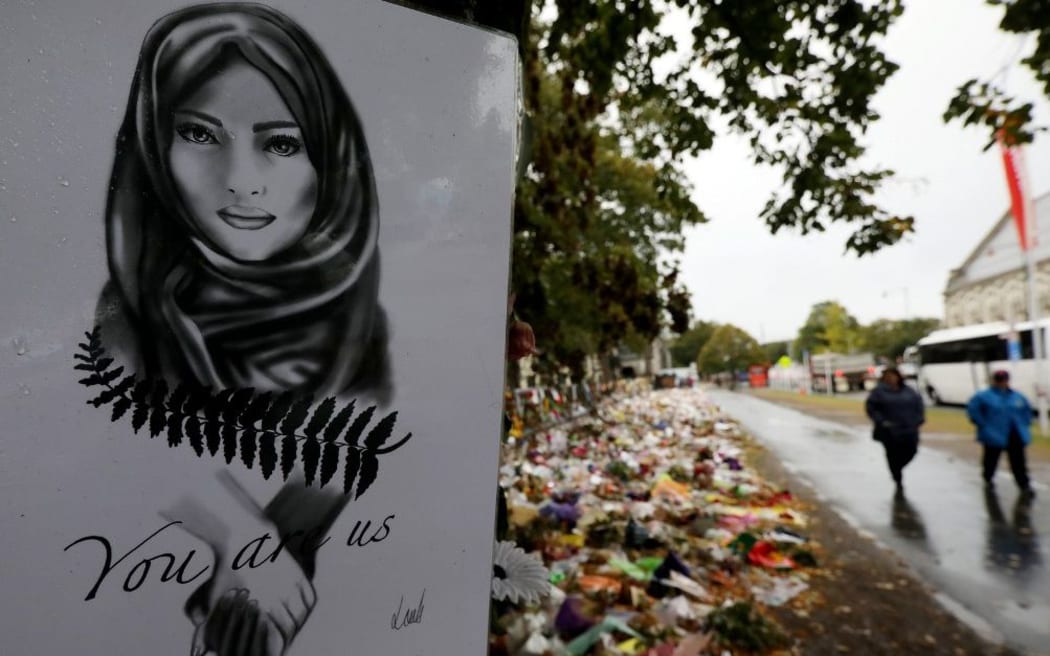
829, 327
604, 198
776, 350
615, 104
984, 103
686, 348
729, 349
888, 338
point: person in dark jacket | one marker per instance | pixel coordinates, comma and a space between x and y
1003, 417
897, 412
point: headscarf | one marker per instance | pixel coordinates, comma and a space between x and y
307, 318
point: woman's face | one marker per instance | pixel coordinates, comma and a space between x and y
240, 165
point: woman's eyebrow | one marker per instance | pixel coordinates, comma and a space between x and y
273, 125
201, 115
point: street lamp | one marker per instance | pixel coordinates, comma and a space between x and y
903, 291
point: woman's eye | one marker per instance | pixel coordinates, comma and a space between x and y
196, 133
282, 145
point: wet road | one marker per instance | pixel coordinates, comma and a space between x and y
987, 555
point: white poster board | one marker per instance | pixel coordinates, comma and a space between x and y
193, 201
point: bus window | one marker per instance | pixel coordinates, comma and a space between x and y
1027, 350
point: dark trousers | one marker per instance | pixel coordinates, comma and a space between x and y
898, 455
1015, 452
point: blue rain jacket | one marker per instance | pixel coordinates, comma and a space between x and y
995, 412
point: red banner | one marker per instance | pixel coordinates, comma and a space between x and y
1013, 163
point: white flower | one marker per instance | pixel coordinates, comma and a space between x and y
517, 576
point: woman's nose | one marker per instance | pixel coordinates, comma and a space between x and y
259, 190
246, 178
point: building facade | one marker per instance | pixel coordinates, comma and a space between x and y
991, 283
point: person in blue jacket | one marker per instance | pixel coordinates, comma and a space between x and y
897, 412
1003, 417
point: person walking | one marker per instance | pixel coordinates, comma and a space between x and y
897, 412
1003, 417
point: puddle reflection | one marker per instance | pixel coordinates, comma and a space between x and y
1012, 545
906, 520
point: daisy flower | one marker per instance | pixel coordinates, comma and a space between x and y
517, 576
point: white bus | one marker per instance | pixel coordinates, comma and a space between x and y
955, 363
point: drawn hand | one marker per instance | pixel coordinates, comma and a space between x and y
255, 612
256, 609
236, 627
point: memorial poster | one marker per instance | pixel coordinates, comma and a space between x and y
253, 264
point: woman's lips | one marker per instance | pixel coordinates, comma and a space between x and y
243, 217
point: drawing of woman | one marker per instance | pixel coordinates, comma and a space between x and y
242, 225
242, 219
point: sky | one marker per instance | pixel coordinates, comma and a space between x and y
737, 272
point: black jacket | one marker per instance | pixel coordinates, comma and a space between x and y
897, 414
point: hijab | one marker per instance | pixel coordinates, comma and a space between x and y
307, 318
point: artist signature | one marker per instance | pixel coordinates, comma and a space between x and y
407, 616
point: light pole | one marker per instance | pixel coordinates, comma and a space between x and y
903, 291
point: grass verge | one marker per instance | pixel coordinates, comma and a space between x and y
951, 421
